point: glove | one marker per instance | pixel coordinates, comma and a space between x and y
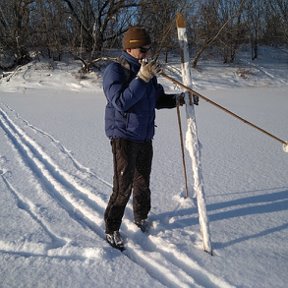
180, 99
196, 100
148, 70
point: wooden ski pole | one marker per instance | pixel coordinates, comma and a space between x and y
285, 143
182, 149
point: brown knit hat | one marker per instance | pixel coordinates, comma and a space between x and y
135, 37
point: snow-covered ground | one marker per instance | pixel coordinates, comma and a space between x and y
56, 175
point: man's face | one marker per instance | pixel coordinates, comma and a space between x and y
139, 53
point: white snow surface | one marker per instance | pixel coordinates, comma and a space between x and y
56, 178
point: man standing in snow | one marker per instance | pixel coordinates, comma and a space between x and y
132, 93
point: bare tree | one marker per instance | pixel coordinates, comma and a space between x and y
159, 17
56, 26
96, 18
220, 24
277, 21
14, 27
255, 23
235, 32
49, 28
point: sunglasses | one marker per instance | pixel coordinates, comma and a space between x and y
144, 50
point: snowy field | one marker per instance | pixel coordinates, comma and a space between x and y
56, 177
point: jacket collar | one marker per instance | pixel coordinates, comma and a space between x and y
135, 65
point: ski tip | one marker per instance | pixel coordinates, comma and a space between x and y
180, 21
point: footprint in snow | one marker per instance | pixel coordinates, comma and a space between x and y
3, 159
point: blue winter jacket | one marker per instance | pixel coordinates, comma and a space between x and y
131, 103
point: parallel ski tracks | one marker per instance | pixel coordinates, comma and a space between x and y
164, 262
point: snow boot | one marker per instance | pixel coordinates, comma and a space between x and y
143, 224
115, 240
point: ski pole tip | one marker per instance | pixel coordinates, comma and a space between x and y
285, 147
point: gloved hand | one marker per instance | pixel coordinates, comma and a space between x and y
195, 100
148, 70
180, 98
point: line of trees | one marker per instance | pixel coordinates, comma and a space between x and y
90, 27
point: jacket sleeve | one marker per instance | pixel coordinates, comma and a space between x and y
121, 93
165, 100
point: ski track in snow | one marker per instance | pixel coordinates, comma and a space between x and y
263, 70
161, 259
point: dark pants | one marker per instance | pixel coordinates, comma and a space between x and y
132, 168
